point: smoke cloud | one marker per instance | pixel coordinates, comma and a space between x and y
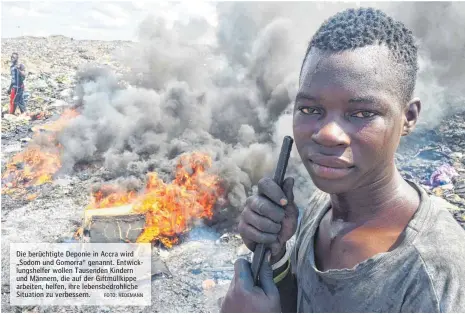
228, 90
437, 27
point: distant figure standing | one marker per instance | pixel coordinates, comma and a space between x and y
16, 90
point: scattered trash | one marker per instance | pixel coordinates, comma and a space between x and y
38, 115
35, 309
440, 190
60, 103
431, 154
243, 250
457, 155
208, 284
455, 199
159, 268
224, 238
15, 147
31, 197
26, 96
219, 269
163, 253
62, 181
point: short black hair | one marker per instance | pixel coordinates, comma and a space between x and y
15, 53
355, 28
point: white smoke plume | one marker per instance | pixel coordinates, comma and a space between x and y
232, 96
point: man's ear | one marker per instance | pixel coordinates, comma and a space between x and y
411, 113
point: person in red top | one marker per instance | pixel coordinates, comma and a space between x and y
16, 90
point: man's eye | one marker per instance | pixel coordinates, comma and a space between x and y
363, 114
307, 110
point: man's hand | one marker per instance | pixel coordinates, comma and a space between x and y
9, 91
244, 297
270, 217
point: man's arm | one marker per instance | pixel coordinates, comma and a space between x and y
288, 293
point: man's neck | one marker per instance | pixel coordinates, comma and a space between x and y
382, 198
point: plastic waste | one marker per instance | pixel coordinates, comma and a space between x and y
443, 175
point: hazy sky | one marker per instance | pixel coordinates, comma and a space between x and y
102, 20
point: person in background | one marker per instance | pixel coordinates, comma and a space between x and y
16, 90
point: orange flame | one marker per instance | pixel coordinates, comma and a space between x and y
60, 123
36, 165
111, 196
29, 168
170, 208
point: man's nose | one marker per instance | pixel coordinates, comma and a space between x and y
331, 134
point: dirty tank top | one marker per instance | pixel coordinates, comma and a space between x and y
425, 273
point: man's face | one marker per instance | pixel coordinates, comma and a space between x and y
348, 118
14, 58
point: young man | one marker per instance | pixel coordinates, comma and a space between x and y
369, 241
16, 90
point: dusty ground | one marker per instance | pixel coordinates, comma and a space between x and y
58, 209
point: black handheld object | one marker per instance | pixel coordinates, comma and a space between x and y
260, 249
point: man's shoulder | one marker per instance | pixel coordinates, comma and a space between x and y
439, 250
443, 233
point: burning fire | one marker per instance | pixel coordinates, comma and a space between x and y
29, 168
36, 165
111, 196
58, 125
169, 208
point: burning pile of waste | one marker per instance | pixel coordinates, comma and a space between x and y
169, 209
38, 163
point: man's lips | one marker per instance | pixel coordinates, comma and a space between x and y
330, 167
330, 161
